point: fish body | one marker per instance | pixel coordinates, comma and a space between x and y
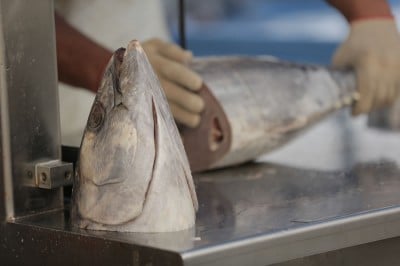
133, 174
265, 103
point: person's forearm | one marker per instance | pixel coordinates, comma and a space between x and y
80, 61
362, 9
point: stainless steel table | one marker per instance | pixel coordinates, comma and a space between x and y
332, 189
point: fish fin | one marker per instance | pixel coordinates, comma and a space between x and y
191, 186
175, 138
156, 143
177, 145
180, 150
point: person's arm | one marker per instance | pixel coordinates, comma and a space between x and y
373, 50
362, 9
80, 61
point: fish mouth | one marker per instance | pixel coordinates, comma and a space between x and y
118, 59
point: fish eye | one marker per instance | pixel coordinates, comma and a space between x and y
96, 117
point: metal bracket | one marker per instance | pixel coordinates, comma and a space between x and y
49, 174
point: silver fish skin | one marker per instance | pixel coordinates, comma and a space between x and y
268, 102
133, 174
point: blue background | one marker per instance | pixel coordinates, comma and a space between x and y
296, 30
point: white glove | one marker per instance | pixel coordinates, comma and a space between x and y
178, 81
373, 50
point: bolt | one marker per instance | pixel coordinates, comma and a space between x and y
68, 175
30, 174
43, 176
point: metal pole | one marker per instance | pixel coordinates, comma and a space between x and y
182, 33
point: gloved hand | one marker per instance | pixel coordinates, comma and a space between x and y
373, 50
178, 81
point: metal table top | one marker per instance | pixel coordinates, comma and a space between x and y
334, 187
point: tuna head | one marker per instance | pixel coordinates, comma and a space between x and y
133, 174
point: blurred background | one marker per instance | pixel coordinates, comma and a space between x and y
296, 30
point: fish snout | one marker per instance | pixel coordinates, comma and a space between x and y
116, 77
135, 75
135, 45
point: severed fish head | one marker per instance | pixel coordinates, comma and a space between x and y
132, 174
